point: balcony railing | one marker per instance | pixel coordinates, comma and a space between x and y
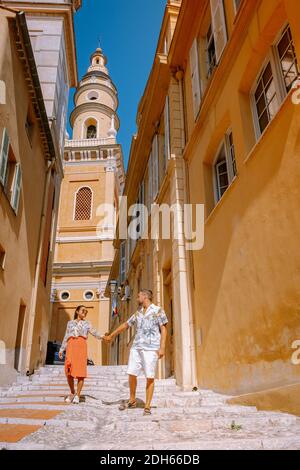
74, 143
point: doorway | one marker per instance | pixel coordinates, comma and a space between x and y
168, 307
19, 338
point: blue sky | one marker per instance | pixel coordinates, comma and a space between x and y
128, 30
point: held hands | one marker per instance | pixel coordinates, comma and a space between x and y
107, 338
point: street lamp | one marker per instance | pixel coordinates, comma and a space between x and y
113, 284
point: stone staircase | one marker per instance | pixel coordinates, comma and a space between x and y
33, 415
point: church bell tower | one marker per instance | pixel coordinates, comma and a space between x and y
93, 176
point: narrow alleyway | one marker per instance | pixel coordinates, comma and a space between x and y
34, 416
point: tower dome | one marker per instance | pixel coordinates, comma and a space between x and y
96, 103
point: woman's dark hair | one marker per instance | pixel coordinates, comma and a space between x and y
77, 310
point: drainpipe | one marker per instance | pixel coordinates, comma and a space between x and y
38, 268
179, 75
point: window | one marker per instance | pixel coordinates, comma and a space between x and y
167, 138
91, 132
225, 168
88, 295
10, 173
83, 204
4, 156
274, 81
65, 296
141, 201
16, 190
195, 77
122, 261
2, 257
211, 52
155, 166
29, 126
92, 95
266, 99
219, 29
287, 59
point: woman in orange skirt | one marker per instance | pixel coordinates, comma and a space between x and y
75, 344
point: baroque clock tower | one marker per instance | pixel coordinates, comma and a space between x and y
93, 176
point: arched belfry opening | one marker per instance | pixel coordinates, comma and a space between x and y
91, 130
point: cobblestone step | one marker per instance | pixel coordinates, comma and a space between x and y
33, 415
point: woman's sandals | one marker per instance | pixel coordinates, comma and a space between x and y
129, 405
147, 412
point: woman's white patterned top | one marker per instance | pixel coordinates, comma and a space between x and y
78, 328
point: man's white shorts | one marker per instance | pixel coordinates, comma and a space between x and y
141, 360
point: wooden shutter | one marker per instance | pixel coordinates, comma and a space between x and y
4, 156
219, 26
16, 188
195, 77
122, 261
167, 131
47, 233
150, 177
155, 165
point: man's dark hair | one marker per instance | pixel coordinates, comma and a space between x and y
148, 292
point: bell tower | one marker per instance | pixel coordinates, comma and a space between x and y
93, 177
96, 101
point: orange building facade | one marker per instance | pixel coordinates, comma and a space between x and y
229, 74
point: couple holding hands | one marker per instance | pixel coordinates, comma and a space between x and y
147, 348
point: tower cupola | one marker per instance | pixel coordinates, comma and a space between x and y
96, 103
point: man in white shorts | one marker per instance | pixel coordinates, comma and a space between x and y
148, 345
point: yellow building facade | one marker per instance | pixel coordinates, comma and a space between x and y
93, 178
231, 125
32, 119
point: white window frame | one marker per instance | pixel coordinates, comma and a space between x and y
4, 157
16, 188
273, 58
230, 173
278, 87
278, 61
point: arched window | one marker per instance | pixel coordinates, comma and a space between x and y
91, 132
83, 204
